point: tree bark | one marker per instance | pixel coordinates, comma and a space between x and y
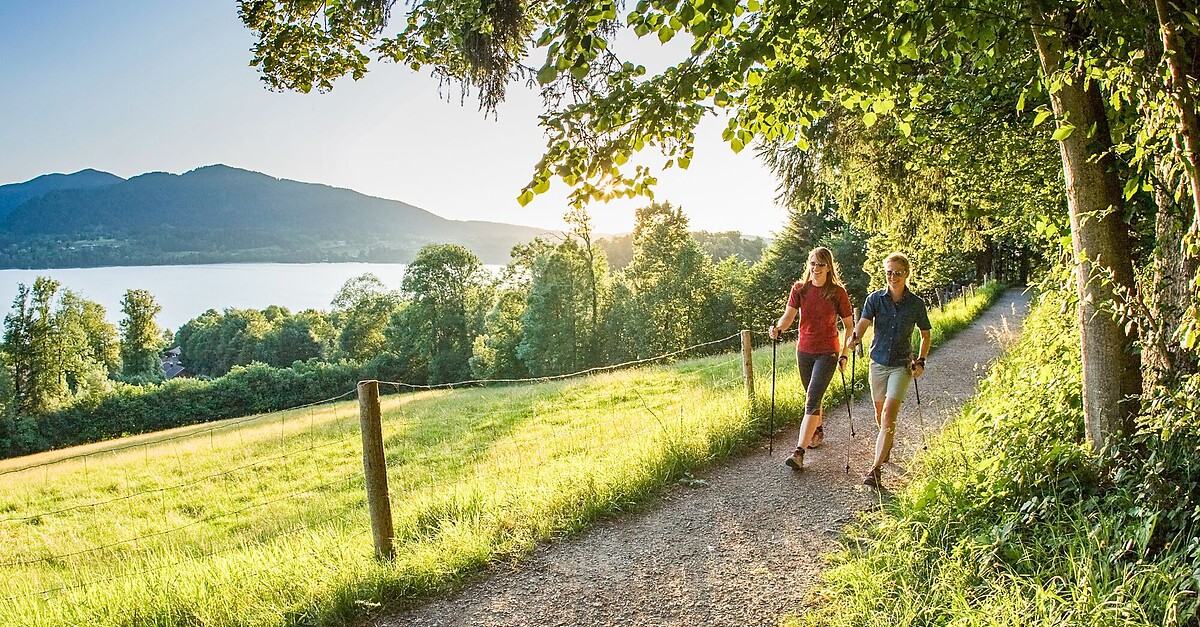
1180, 57
1100, 238
1164, 361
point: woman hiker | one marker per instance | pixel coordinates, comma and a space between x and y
894, 311
819, 298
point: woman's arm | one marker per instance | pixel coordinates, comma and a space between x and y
785, 321
859, 329
844, 341
844, 336
922, 352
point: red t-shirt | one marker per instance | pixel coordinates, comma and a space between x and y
818, 317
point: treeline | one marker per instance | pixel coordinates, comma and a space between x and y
175, 247
557, 307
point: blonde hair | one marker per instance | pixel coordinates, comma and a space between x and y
900, 258
832, 281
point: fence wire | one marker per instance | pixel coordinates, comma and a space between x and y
232, 422
357, 507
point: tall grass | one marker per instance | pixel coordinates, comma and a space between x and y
1010, 521
264, 522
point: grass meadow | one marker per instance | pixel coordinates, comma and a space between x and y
262, 521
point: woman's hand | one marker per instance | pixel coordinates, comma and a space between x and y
842, 362
773, 332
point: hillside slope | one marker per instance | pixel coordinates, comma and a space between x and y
220, 213
13, 194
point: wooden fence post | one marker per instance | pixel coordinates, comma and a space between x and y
748, 365
375, 469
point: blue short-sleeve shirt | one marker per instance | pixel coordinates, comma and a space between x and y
894, 322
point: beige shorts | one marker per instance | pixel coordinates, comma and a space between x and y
889, 382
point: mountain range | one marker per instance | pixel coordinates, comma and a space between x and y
219, 213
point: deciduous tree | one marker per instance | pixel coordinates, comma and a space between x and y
778, 69
141, 338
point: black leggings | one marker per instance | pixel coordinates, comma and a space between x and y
816, 371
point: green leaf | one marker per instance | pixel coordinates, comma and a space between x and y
547, 74
525, 198
1041, 116
665, 34
1131, 188
1063, 132
869, 119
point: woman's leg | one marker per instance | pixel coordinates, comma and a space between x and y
877, 377
887, 432
805, 362
894, 383
822, 374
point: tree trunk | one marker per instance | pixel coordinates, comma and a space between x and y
984, 260
1164, 361
1101, 241
1180, 52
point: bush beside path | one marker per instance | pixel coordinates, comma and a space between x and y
741, 544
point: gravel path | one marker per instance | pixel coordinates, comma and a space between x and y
746, 548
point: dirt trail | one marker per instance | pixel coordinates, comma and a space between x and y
743, 550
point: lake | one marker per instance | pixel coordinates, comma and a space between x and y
185, 292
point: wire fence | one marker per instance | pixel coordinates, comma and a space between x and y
224, 424
141, 547
294, 440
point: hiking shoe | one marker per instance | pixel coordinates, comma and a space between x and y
873, 478
818, 437
796, 461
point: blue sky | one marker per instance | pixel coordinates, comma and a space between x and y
137, 86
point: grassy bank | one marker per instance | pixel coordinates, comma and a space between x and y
264, 522
1009, 521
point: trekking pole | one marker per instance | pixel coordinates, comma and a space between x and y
849, 414
771, 435
853, 385
920, 415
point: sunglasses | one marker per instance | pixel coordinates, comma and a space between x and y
896, 272
817, 264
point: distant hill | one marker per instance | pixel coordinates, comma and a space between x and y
14, 194
219, 213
